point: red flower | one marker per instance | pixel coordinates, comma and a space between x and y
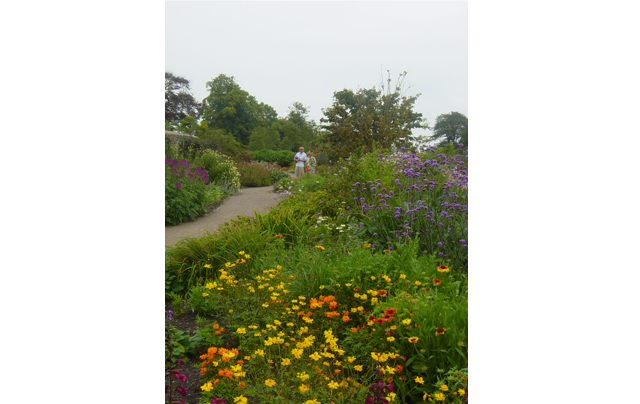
357, 288
436, 281
390, 312
382, 292
440, 331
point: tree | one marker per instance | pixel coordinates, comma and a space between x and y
452, 127
370, 117
178, 101
233, 109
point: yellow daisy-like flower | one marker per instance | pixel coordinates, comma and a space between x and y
373, 278
413, 340
207, 386
303, 376
278, 267
358, 368
333, 385
247, 256
406, 321
443, 268
391, 339
419, 379
418, 283
314, 401
207, 265
319, 247
205, 294
374, 300
286, 362
439, 397
351, 359
230, 310
241, 253
321, 286
403, 276
240, 261
270, 382
304, 388
444, 387
240, 400
391, 396
367, 244
461, 392
315, 356
259, 352
241, 330
440, 331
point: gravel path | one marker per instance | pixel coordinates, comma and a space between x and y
260, 198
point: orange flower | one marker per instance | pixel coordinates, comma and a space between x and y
345, 319
216, 326
357, 288
399, 368
382, 292
440, 331
333, 305
390, 312
436, 281
389, 379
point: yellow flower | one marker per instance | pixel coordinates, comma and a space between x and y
419, 379
241, 330
205, 294
240, 400
391, 396
373, 278
315, 356
418, 283
278, 267
247, 256
333, 385
358, 368
351, 359
207, 386
303, 376
391, 339
241, 253
406, 321
444, 387
461, 392
207, 265
374, 300
286, 361
230, 310
270, 382
413, 340
439, 397
259, 352
347, 284
304, 388
367, 244
321, 286
403, 276
314, 401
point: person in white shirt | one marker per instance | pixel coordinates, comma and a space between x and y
300, 158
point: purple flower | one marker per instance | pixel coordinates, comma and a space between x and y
178, 185
462, 241
321, 201
216, 400
182, 391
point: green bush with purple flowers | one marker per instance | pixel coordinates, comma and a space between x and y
185, 191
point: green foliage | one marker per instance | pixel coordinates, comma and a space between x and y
232, 109
254, 175
283, 158
183, 197
452, 127
221, 170
370, 118
179, 344
178, 100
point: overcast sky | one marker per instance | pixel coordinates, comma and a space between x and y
281, 52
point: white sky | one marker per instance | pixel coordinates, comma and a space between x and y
281, 52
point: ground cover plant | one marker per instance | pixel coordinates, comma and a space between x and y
185, 191
318, 301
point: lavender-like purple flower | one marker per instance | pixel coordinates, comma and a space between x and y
178, 185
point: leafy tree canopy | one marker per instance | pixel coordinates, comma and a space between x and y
370, 117
452, 127
178, 100
233, 109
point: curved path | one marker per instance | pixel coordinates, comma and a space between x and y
260, 199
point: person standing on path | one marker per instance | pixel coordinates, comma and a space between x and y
312, 163
300, 158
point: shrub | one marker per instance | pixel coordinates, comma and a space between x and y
184, 191
254, 174
283, 158
222, 171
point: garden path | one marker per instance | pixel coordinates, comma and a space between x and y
260, 198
